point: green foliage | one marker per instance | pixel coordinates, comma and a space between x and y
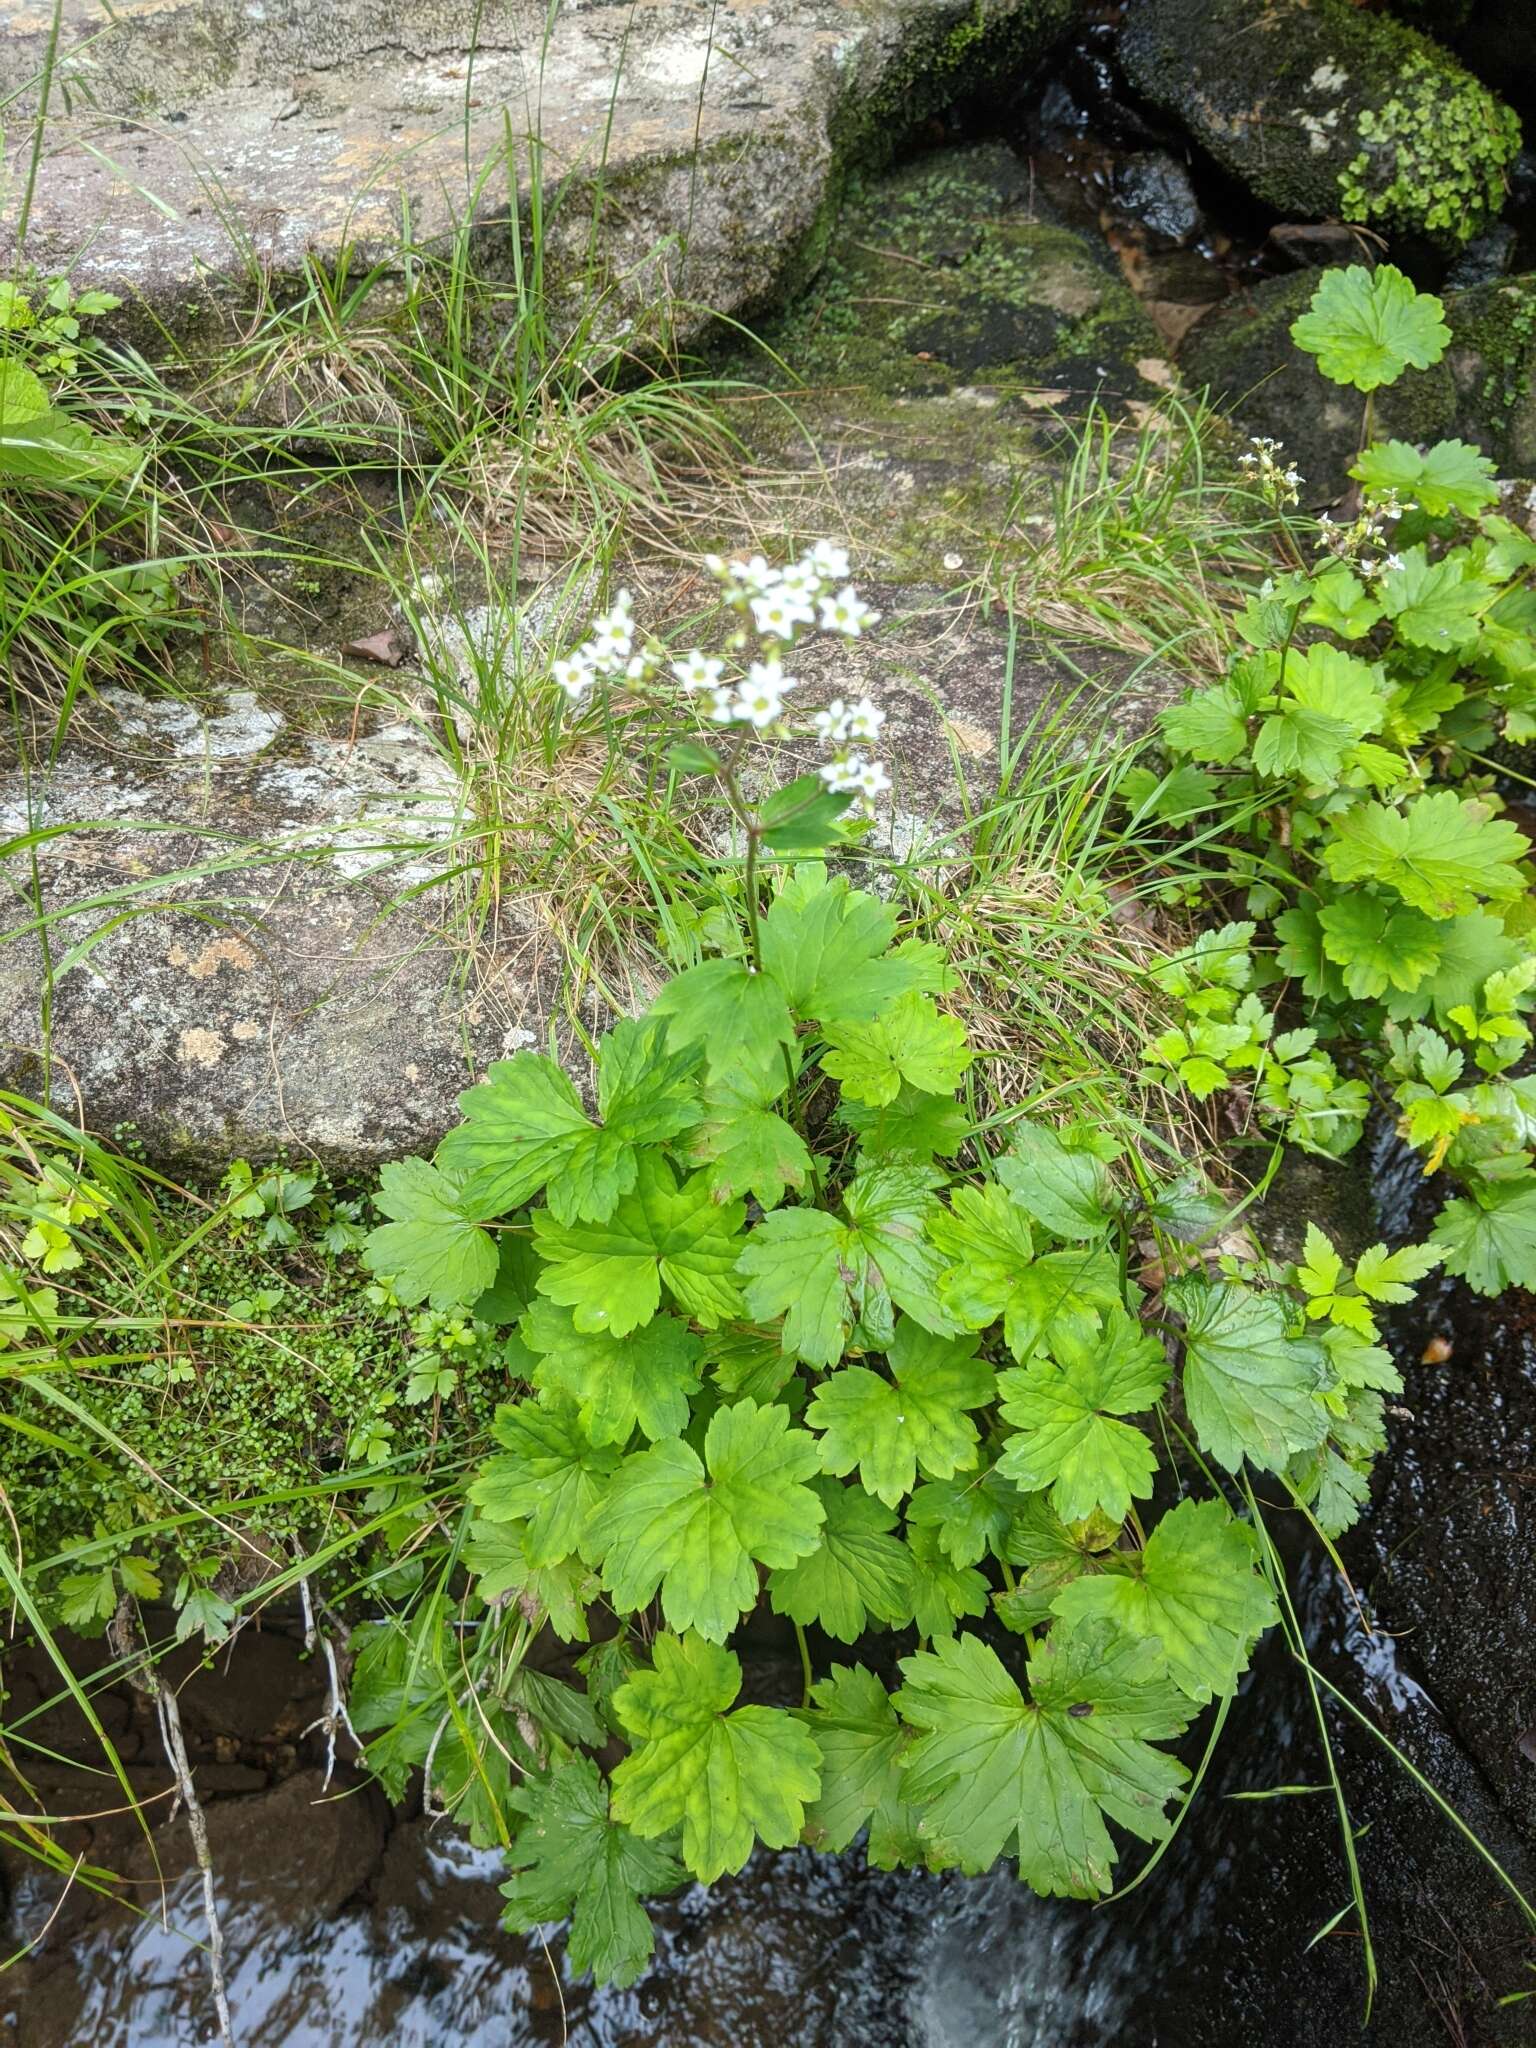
861, 1407
1367, 326
1394, 887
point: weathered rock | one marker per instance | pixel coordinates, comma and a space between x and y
255, 939
209, 151
286, 982
953, 320
1155, 189
1492, 360
1243, 354
1328, 111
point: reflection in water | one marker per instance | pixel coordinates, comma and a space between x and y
801, 1951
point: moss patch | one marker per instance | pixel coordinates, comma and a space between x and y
1325, 110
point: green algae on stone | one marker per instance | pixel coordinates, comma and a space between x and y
1325, 111
939, 273
1492, 358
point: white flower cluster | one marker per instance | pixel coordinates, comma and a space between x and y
1367, 530
1281, 484
780, 605
608, 654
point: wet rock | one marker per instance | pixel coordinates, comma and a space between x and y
1155, 189
1327, 111
1243, 354
945, 272
1485, 260
215, 144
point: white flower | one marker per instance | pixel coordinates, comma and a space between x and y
801, 581
754, 574
722, 706
697, 671
1392, 562
778, 614
873, 781
769, 675
865, 720
830, 560
642, 666
831, 723
846, 613
573, 675
758, 701
611, 641
844, 774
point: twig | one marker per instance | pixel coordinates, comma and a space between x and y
335, 1717
143, 1675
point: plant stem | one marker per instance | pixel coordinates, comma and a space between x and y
805, 1665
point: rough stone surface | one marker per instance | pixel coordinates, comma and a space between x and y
253, 935
953, 323
1326, 111
201, 149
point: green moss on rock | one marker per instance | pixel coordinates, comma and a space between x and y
1493, 362
939, 274
1327, 111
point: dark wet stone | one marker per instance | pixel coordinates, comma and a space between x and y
1155, 189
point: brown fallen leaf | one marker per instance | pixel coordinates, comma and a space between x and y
379, 648
1436, 1352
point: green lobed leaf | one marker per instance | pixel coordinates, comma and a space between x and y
1063, 1187
1441, 853
1435, 604
1378, 944
1449, 477
730, 1012
857, 1570
828, 946
550, 1474
909, 1041
1042, 1775
525, 1128
862, 1744
433, 1249
698, 1527
1329, 700
1250, 1389
1065, 1411
1489, 1240
726, 1778
891, 1429
1195, 1593
644, 1380
610, 1274
793, 1264
1367, 326
570, 1858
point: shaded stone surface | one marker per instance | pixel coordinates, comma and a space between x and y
274, 135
